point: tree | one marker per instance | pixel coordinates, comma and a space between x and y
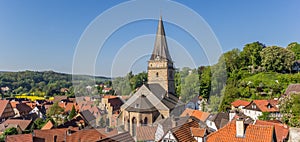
205, 82
289, 108
72, 113
232, 60
190, 87
277, 59
250, 56
9, 131
295, 47
264, 116
55, 111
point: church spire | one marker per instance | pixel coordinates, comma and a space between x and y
160, 50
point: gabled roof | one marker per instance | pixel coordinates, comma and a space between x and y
198, 132
87, 135
238, 103
141, 104
281, 130
145, 133
23, 108
19, 138
47, 126
220, 119
183, 132
3, 105
253, 133
22, 123
196, 113
160, 50
292, 88
122, 137
48, 135
88, 116
263, 105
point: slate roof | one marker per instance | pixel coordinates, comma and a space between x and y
160, 45
89, 117
292, 88
253, 133
23, 108
122, 137
169, 122
220, 119
141, 104
19, 138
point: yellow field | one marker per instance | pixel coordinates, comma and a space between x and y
33, 98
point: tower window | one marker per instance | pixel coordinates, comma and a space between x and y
156, 74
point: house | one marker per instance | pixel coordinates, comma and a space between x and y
292, 89
237, 131
6, 110
23, 124
181, 133
196, 113
19, 138
217, 121
239, 104
53, 135
281, 130
199, 134
89, 118
40, 111
257, 107
112, 105
146, 133
6, 126
22, 110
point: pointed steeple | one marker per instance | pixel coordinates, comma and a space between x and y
160, 51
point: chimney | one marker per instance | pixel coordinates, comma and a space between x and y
231, 114
240, 127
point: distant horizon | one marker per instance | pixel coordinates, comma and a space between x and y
43, 36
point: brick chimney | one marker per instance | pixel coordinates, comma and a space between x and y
240, 127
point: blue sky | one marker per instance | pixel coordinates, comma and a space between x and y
43, 35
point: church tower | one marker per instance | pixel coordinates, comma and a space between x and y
160, 65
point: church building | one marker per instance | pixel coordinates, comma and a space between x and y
155, 100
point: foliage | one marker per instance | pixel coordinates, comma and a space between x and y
295, 47
205, 81
277, 59
72, 113
250, 56
264, 116
55, 111
9, 131
190, 86
289, 108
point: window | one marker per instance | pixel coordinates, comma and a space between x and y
156, 74
137, 105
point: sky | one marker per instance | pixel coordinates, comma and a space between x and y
46, 35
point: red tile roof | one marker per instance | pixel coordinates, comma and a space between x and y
238, 103
87, 135
48, 135
253, 133
145, 133
263, 105
3, 105
19, 138
109, 96
198, 132
23, 124
281, 130
196, 113
47, 126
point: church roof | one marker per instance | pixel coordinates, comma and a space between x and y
141, 104
160, 50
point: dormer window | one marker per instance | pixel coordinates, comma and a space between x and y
269, 106
137, 105
253, 106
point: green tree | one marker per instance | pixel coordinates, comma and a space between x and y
190, 87
55, 111
9, 131
250, 56
205, 82
295, 47
289, 108
277, 59
264, 116
72, 113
